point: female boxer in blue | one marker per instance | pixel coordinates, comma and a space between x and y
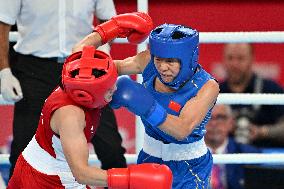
174, 102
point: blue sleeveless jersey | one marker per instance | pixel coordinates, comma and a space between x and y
191, 173
181, 96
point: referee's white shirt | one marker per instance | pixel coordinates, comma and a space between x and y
50, 28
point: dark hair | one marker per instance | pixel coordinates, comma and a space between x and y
178, 35
97, 73
250, 46
175, 34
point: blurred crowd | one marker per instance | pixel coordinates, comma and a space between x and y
244, 128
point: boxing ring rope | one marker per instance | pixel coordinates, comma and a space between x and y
251, 98
224, 98
253, 158
230, 98
219, 37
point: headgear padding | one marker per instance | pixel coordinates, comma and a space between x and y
176, 41
79, 81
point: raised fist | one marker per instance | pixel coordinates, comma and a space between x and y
133, 26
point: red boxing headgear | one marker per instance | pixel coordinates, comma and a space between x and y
79, 81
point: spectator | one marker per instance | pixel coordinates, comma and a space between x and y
261, 125
229, 176
47, 32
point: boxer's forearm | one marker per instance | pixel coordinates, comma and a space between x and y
4, 45
93, 39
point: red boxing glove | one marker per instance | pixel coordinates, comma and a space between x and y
135, 26
142, 176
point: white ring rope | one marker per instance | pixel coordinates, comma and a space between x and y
230, 98
218, 37
253, 158
242, 37
250, 98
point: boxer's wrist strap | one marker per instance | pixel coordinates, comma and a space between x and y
107, 30
157, 116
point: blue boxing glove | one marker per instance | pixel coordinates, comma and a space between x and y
138, 100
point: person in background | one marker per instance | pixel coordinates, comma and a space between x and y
57, 156
217, 138
260, 125
47, 32
174, 102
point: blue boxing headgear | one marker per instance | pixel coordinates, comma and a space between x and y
176, 41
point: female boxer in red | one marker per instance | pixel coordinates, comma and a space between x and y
57, 156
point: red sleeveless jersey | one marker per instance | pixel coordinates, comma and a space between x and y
42, 164
56, 100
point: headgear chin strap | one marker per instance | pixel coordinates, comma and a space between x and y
79, 81
176, 41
